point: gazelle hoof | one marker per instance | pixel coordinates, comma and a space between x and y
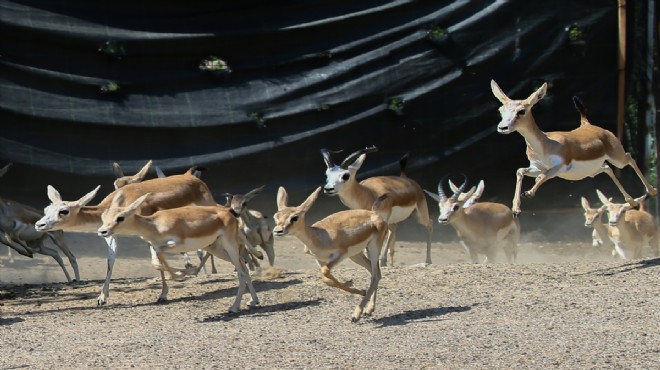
653, 192
528, 194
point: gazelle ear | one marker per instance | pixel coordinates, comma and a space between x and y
585, 203
499, 94
159, 172
602, 197
282, 198
143, 172
433, 195
88, 197
137, 203
116, 169
358, 163
537, 95
53, 195
307, 204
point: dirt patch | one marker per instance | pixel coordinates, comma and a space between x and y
564, 305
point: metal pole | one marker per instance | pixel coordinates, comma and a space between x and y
621, 98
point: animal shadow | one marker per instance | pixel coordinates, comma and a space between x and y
426, 314
264, 310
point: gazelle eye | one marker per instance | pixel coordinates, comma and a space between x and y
120, 219
520, 113
455, 207
64, 212
294, 218
345, 177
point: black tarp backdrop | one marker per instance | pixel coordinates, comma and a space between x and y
304, 75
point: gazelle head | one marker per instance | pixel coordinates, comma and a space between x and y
288, 219
449, 205
122, 180
336, 176
591, 214
59, 213
115, 216
238, 202
514, 112
616, 210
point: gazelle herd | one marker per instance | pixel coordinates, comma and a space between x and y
178, 213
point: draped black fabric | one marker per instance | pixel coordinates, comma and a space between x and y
85, 83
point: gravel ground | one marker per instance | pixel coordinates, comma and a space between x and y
565, 306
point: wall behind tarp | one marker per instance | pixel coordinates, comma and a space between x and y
304, 75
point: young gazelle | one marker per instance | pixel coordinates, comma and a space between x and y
183, 229
592, 219
631, 229
252, 222
77, 216
342, 235
482, 227
405, 195
571, 155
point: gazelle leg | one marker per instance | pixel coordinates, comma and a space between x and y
332, 281
369, 299
649, 188
48, 251
58, 238
389, 245
112, 254
162, 297
542, 178
520, 174
608, 170
422, 215
232, 250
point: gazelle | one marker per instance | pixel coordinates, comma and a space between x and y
592, 219
17, 223
77, 216
183, 229
405, 195
341, 235
252, 222
571, 155
631, 229
482, 227
122, 180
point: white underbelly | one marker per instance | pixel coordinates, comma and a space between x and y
400, 213
188, 244
578, 170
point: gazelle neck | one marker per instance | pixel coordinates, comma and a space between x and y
534, 137
87, 220
356, 196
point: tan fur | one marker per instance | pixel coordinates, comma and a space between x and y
482, 227
572, 155
339, 236
401, 192
169, 192
212, 228
631, 229
592, 219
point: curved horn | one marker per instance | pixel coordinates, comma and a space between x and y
460, 189
351, 158
441, 192
326, 156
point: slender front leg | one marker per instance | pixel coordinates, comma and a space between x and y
520, 174
369, 299
389, 245
112, 254
543, 177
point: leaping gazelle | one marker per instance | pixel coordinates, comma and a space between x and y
405, 195
341, 235
571, 155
